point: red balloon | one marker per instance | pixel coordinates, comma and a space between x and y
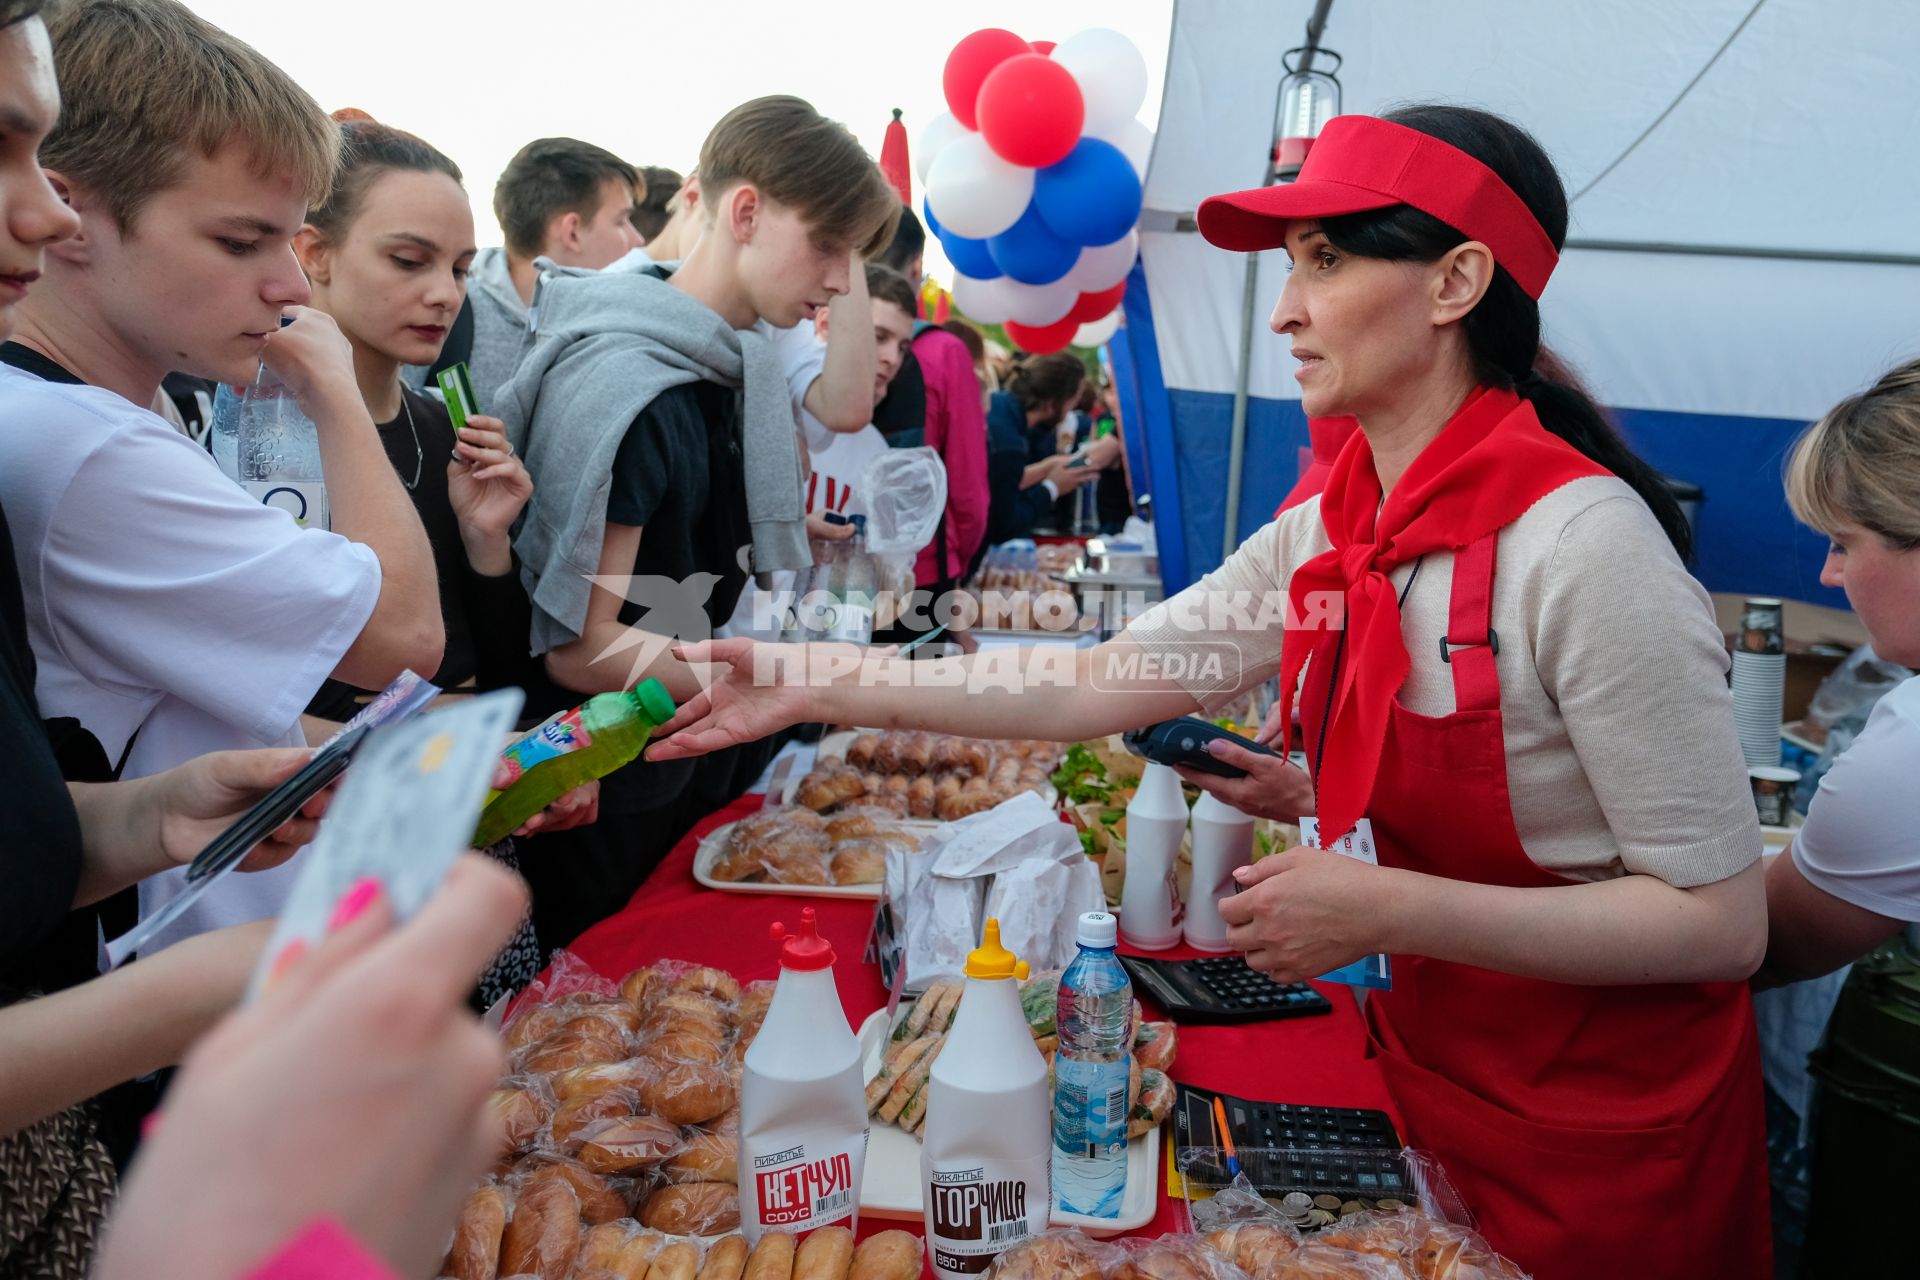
1043, 47
970, 63
1092, 306
1044, 339
1030, 111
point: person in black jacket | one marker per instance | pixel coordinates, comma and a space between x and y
1025, 470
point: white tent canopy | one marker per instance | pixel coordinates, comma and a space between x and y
1744, 182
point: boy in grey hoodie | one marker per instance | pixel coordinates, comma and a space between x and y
559, 198
665, 457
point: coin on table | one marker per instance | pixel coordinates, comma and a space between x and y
1329, 1203
1297, 1202
1352, 1207
1320, 1218
1392, 1206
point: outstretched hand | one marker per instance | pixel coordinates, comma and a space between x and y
751, 689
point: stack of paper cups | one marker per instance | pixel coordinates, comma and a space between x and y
1759, 682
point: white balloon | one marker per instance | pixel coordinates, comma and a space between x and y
982, 300
934, 139
1135, 141
974, 193
1111, 73
1104, 265
1094, 333
1041, 304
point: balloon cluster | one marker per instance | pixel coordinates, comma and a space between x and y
1033, 181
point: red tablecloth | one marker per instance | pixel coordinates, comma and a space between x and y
1317, 1061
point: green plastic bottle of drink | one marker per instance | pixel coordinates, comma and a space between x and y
570, 750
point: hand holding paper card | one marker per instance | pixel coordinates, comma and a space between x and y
1374, 971
401, 819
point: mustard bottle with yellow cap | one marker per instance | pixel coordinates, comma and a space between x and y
985, 1167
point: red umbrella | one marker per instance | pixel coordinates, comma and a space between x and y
893, 160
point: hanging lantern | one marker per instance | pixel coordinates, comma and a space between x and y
1309, 97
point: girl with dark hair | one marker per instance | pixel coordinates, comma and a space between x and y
1512, 693
1025, 470
387, 256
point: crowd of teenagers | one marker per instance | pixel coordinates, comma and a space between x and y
683, 378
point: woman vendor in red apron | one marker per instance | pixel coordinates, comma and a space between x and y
1525, 716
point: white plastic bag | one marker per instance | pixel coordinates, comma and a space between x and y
906, 494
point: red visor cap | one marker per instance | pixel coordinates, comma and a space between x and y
1360, 163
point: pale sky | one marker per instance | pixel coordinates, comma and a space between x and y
479, 78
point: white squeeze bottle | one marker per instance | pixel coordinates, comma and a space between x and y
985, 1167
1222, 842
803, 1110
1156, 823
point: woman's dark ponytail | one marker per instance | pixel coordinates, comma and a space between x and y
1503, 331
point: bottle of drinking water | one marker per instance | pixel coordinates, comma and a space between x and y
1095, 1023
854, 584
273, 446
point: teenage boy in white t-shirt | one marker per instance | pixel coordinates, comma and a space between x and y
170, 613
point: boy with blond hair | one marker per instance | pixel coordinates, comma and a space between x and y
170, 613
657, 423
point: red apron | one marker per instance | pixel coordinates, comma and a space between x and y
1593, 1131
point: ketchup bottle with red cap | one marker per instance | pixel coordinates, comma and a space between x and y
803, 1108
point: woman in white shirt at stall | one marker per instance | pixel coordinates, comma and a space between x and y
1852, 876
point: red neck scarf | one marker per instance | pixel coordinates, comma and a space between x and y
1489, 464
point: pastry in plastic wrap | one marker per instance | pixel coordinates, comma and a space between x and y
890, 1255
920, 798
533, 1024
772, 1258
714, 984
726, 1260
707, 1157
544, 1233
639, 985
519, 1111
599, 1200
1173, 1258
576, 1116
680, 1014
683, 1046
678, 1261
476, 1236
626, 1145
1314, 1261
862, 821
620, 1250
565, 1050
1254, 1247
859, 862
1057, 1255
824, 1255
689, 1093
693, 1209
589, 1082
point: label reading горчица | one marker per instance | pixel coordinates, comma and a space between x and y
982, 1208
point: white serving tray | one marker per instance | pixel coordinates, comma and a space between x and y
890, 1187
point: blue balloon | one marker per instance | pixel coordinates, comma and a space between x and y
1090, 198
933, 224
969, 257
1030, 252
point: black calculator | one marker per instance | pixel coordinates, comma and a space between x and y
1349, 1153
1220, 989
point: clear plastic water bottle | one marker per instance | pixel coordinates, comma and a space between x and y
1095, 1023
854, 584
275, 448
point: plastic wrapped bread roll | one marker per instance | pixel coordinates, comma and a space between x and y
678, 1261
519, 1112
726, 1260
476, 1237
599, 1200
824, 1255
696, 1209
544, 1234
772, 1258
890, 1255
627, 1145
